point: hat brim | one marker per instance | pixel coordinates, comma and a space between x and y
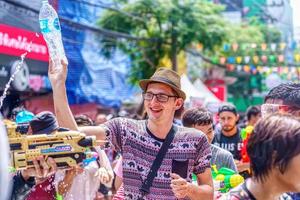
145, 82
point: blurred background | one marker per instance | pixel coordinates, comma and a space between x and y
225, 50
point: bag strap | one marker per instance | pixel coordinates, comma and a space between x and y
145, 188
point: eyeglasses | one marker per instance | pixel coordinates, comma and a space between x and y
268, 108
162, 98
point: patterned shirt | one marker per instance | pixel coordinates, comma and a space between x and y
189, 149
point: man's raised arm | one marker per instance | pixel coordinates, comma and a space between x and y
58, 76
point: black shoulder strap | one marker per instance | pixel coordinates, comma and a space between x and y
251, 196
145, 188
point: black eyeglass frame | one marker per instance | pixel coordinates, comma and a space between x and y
157, 97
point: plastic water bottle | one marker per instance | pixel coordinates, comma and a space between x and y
50, 28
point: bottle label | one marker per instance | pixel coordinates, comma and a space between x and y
56, 24
44, 25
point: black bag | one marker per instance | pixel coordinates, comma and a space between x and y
145, 188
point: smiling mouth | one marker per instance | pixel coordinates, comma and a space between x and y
155, 110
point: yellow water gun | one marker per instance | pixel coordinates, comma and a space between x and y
67, 148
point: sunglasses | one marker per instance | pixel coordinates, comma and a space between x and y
275, 108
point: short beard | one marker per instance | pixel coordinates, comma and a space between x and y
228, 130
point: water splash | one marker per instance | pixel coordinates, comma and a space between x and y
12, 78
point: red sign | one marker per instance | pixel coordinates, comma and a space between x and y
219, 91
15, 41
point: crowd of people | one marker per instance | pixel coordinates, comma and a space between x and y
160, 158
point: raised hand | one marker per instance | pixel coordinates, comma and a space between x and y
57, 72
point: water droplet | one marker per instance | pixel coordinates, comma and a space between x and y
37, 35
18, 67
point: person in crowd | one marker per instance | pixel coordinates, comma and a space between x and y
84, 120
201, 119
228, 137
283, 98
44, 123
274, 153
31, 183
139, 141
253, 114
83, 183
26, 179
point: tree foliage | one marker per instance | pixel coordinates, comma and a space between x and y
162, 28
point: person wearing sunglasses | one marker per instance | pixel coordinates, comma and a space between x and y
274, 153
284, 98
140, 141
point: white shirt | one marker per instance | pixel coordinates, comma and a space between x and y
84, 186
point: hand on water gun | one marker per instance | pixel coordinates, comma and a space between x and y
225, 179
67, 148
245, 134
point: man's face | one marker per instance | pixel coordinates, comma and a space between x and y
207, 130
289, 180
157, 110
228, 120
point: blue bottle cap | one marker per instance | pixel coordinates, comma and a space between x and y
24, 116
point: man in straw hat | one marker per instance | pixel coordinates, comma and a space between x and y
139, 141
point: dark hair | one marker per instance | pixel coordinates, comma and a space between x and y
197, 116
273, 143
83, 120
252, 111
289, 93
